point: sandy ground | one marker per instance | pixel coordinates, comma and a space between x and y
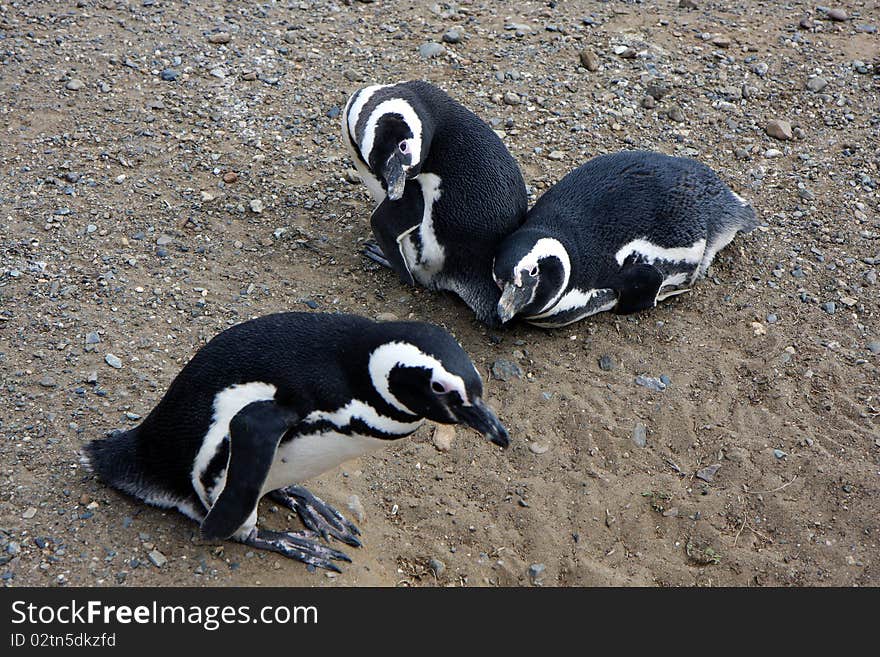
125, 233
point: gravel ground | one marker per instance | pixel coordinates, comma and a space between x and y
170, 169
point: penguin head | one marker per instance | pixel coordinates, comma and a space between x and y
532, 272
421, 370
395, 145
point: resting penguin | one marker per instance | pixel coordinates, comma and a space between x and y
274, 401
621, 232
447, 189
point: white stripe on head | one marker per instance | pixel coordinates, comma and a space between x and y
393, 354
652, 252
744, 203
402, 108
353, 109
227, 403
546, 247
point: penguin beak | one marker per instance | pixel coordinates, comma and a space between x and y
395, 178
513, 299
480, 417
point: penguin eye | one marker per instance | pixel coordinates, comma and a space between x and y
403, 146
534, 271
437, 387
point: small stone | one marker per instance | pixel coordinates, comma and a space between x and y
707, 474
687, 4
357, 509
657, 91
772, 152
829, 307
48, 382
157, 558
772, 318
536, 570
817, 84
874, 347
606, 363
837, 14
625, 52
670, 513
437, 567
386, 317
505, 370
256, 206
676, 114
113, 361
29, 513
207, 196
779, 129
640, 435
219, 37
538, 448
169, 75
219, 72
431, 49
806, 23
849, 302
721, 41
230, 177
650, 382
334, 112
556, 155
452, 36
648, 102
589, 60
353, 177
778, 453
74, 85
164, 239
119, 179
510, 98
444, 435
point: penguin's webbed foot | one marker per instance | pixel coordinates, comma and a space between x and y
374, 252
301, 546
317, 515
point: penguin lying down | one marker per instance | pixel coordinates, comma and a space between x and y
274, 401
620, 233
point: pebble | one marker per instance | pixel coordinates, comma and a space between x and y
444, 436
452, 36
75, 85
707, 474
353, 177
169, 75
230, 177
113, 361
589, 60
640, 435
510, 98
606, 363
806, 23
157, 558
505, 370
556, 155
538, 448
687, 4
675, 113
648, 102
386, 317
650, 382
772, 152
29, 513
437, 567
357, 509
431, 49
256, 206
829, 307
817, 84
219, 37
536, 570
837, 14
164, 239
874, 347
779, 129
778, 453
772, 318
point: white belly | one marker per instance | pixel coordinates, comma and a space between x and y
307, 456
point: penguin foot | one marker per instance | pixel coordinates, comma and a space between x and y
317, 515
297, 545
374, 252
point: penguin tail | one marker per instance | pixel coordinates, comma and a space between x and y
114, 459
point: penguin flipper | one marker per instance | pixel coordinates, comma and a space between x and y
392, 221
638, 288
254, 434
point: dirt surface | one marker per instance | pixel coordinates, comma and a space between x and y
160, 182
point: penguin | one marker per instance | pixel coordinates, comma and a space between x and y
622, 232
446, 188
275, 401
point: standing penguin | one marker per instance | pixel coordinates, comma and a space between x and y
274, 401
621, 232
447, 189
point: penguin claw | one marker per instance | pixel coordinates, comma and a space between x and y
374, 252
297, 545
317, 515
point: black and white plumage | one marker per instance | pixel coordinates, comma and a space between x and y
447, 190
621, 232
277, 400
